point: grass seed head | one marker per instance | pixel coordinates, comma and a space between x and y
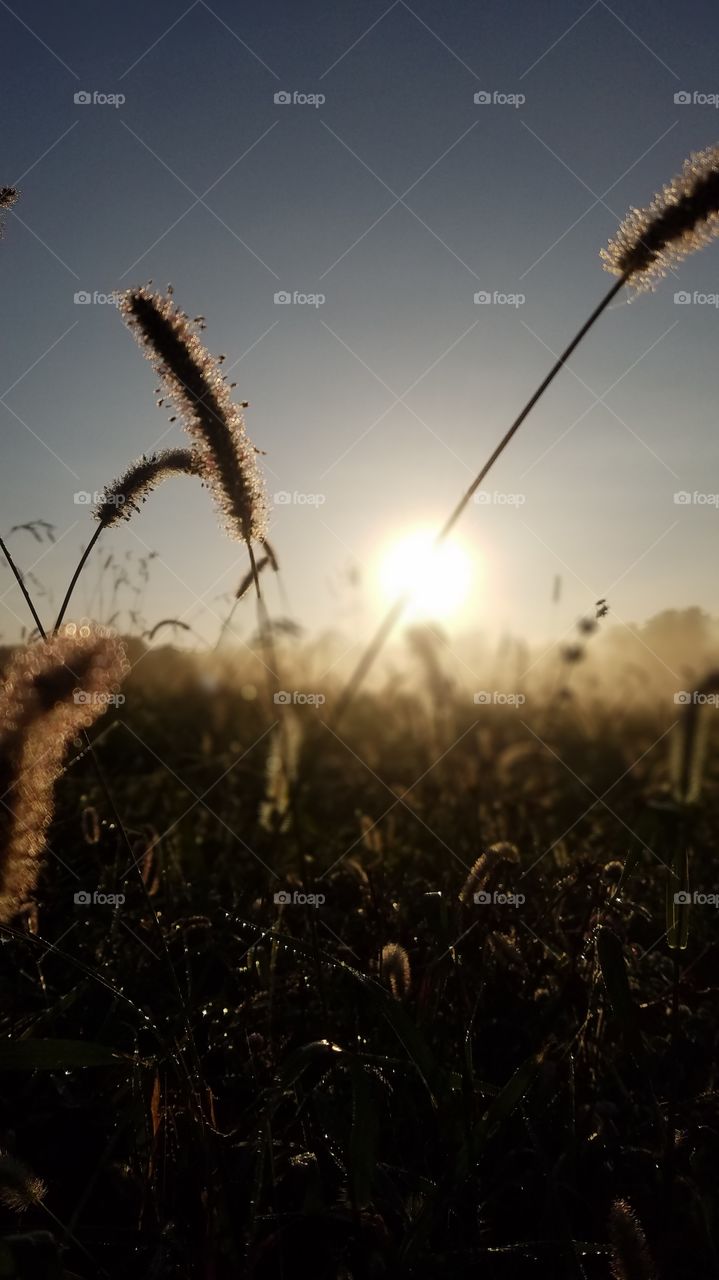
8, 196
682, 217
51, 691
125, 495
486, 863
19, 1188
630, 1258
395, 969
201, 397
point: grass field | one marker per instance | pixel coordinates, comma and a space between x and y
383, 1079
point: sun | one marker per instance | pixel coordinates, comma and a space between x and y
436, 579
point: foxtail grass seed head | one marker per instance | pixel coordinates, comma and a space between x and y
19, 1188
193, 381
486, 863
124, 497
90, 821
8, 196
476, 879
630, 1258
51, 691
682, 217
395, 969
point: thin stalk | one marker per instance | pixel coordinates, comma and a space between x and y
271, 662
671, 1129
99, 1271
389, 622
226, 625
255, 574
255, 570
83, 559
256, 582
23, 588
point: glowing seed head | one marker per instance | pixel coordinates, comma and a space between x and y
50, 692
395, 969
682, 217
201, 397
124, 496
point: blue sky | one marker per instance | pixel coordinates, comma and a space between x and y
397, 199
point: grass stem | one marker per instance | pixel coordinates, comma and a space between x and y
392, 617
81, 564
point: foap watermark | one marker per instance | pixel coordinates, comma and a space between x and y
498, 98
683, 698
83, 898
83, 498
685, 898
495, 697
296, 98
83, 298
685, 499
93, 98
82, 698
695, 98
497, 899
295, 697
685, 298
283, 898
283, 298
495, 298
286, 499
493, 497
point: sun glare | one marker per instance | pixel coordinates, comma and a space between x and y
437, 579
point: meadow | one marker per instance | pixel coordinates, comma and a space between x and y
380, 1076
390, 976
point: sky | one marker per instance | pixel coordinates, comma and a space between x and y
437, 251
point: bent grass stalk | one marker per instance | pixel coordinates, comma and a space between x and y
122, 498
78, 570
682, 217
395, 612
